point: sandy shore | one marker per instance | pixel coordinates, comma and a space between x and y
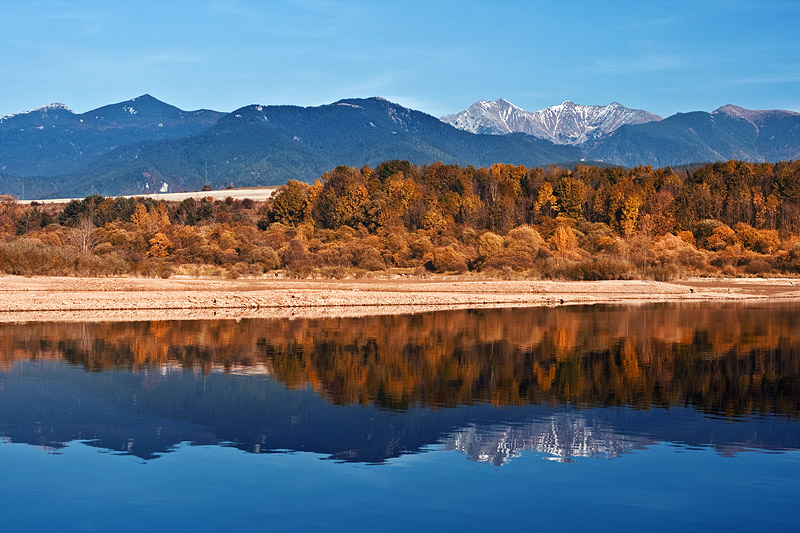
48, 298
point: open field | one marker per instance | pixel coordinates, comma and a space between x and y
52, 298
259, 194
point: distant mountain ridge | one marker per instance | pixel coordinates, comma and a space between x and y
753, 116
566, 123
55, 107
729, 132
52, 140
143, 144
268, 145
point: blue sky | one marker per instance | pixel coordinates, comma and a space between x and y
438, 57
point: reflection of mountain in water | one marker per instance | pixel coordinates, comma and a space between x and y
563, 436
487, 382
148, 413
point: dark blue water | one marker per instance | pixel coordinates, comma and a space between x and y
605, 418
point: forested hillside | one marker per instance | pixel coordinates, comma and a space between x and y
730, 218
54, 141
144, 145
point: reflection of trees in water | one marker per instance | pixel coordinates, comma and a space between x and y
724, 359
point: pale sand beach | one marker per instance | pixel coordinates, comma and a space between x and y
86, 299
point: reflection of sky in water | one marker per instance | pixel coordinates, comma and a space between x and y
205, 488
165, 437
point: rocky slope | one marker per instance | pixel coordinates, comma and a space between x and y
565, 123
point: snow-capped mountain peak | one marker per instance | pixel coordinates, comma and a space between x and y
565, 123
47, 108
55, 106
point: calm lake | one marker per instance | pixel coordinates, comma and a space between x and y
605, 418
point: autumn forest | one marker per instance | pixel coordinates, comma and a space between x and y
588, 222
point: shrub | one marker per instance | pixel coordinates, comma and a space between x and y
296, 251
524, 237
721, 237
296, 258
758, 266
489, 244
559, 267
607, 267
449, 259
760, 241
419, 246
792, 260
365, 257
396, 249
564, 242
238, 270
666, 272
687, 237
30, 257
100, 265
150, 268
674, 253
508, 261
705, 230
160, 246
520, 251
266, 257
230, 256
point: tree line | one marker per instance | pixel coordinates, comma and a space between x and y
585, 222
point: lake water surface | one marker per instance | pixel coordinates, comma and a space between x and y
609, 418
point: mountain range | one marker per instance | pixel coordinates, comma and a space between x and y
52, 140
566, 123
729, 132
143, 145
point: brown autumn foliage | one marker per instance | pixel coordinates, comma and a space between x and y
731, 218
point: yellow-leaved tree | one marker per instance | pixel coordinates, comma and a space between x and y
160, 246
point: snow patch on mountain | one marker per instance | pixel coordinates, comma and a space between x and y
565, 123
56, 106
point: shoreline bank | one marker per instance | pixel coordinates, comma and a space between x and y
87, 299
